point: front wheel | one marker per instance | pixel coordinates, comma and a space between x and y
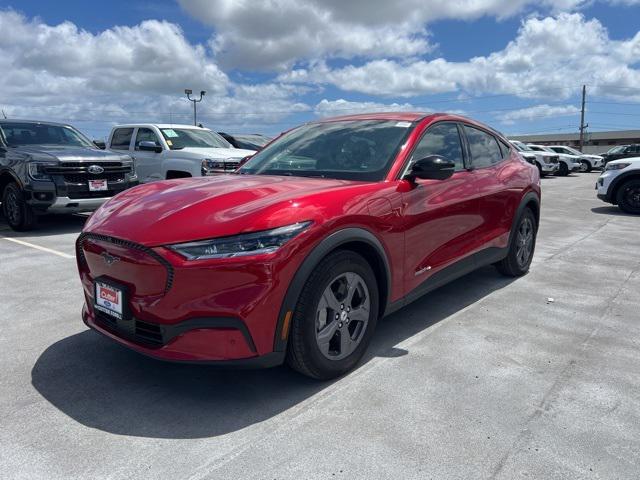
585, 166
521, 247
628, 197
563, 170
19, 215
334, 318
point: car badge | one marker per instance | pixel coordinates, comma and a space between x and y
109, 259
95, 169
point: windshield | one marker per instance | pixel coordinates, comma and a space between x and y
18, 134
178, 138
573, 151
617, 149
251, 142
348, 150
520, 146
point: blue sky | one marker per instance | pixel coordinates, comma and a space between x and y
268, 65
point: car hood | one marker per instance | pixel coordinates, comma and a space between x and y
183, 210
216, 153
633, 160
593, 157
69, 154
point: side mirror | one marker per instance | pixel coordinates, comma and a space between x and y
100, 144
149, 147
433, 167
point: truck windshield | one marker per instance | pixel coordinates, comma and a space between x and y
346, 150
19, 134
179, 138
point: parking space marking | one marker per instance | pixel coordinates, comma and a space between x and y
38, 247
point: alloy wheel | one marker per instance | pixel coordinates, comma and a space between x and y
12, 207
632, 196
524, 242
342, 316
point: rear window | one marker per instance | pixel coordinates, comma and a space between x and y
121, 138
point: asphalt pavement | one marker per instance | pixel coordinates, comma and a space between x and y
488, 377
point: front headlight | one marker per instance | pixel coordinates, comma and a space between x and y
37, 170
616, 166
266, 241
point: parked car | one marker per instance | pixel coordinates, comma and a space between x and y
53, 168
175, 151
547, 163
619, 184
567, 163
621, 151
297, 255
587, 162
253, 141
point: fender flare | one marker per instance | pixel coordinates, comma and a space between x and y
320, 251
12, 175
527, 198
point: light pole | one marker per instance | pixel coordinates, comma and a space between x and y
188, 92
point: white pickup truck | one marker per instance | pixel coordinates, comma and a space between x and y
162, 151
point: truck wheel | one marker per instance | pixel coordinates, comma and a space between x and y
19, 215
521, 247
628, 197
563, 170
334, 318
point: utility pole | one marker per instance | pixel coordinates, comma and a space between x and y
4, 114
188, 92
583, 127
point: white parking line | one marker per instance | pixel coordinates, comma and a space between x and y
38, 247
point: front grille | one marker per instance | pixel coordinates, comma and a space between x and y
127, 244
143, 333
82, 167
83, 178
553, 159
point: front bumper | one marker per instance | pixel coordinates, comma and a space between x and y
574, 167
603, 183
220, 340
549, 167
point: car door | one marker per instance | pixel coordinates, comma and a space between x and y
148, 164
499, 181
441, 216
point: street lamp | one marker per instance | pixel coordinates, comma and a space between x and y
188, 93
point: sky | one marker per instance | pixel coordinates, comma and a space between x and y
268, 65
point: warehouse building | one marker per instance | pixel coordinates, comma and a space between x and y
594, 142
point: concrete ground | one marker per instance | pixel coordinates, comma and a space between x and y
484, 378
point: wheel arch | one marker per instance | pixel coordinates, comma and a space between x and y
621, 180
7, 177
358, 240
529, 200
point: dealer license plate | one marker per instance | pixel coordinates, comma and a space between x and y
109, 299
97, 185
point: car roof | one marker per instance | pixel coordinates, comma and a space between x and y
160, 125
35, 122
397, 116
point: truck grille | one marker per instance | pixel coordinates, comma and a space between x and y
553, 159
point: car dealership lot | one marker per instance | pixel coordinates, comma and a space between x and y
484, 378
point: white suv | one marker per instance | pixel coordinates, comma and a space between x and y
619, 184
175, 151
568, 163
546, 162
587, 162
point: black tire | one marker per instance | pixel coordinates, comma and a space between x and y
18, 214
512, 265
303, 352
563, 170
586, 166
628, 196
542, 174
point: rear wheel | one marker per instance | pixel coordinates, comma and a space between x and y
521, 247
19, 215
628, 196
334, 318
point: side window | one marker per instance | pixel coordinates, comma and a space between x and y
121, 138
504, 149
441, 139
485, 151
146, 135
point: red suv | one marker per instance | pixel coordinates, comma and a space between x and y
297, 255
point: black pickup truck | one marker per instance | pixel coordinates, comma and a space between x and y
53, 168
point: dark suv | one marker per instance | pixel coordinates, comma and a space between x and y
622, 151
53, 168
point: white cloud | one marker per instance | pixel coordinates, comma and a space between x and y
328, 108
550, 57
537, 112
